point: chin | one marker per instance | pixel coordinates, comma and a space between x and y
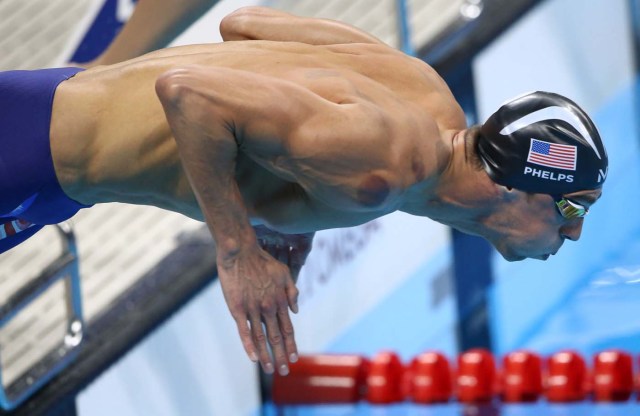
509, 255
514, 258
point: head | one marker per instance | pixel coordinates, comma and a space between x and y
545, 156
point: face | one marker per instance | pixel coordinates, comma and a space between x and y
531, 226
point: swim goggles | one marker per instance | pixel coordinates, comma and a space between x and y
569, 209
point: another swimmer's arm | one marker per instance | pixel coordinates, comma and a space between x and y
153, 25
262, 23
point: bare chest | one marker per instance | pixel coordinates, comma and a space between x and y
287, 206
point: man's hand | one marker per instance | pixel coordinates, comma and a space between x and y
259, 290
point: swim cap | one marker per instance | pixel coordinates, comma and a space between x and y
543, 143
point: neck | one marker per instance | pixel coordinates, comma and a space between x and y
463, 197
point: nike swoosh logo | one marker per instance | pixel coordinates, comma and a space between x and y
552, 113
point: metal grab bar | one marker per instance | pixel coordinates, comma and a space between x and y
64, 267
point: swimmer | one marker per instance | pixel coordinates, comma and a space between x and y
297, 125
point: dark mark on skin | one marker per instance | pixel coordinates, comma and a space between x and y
373, 191
417, 166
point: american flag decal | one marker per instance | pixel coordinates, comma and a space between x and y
553, 155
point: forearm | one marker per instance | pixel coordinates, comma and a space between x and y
223, 207
208, 155
153, 25
210, 165
261, 23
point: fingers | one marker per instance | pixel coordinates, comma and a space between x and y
260, 343
277, 337
247, 339
286, 327
292, 296
260, 304
254, 342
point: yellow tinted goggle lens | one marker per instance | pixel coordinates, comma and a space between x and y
569, 209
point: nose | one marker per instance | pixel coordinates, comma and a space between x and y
572, 229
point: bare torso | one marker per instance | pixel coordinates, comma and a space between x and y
111, 141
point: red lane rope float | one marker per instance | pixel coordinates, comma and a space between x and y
429, 378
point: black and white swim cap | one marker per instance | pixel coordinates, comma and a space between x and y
543, 143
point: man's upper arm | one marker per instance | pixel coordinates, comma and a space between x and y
262, 112
261, 23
